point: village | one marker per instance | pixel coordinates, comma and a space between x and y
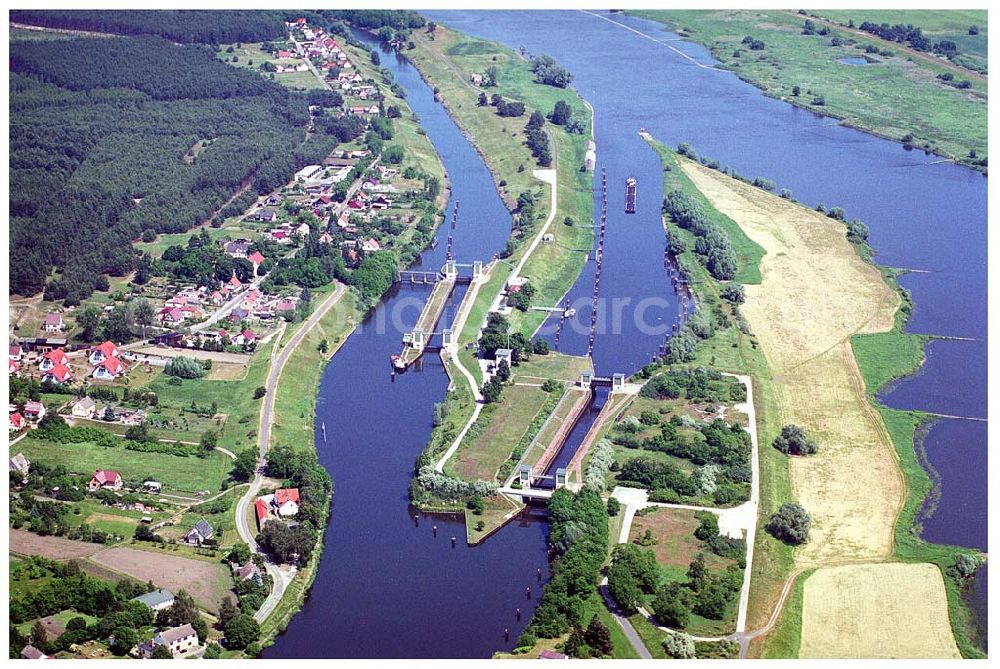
130, 412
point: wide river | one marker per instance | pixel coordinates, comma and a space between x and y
386, 585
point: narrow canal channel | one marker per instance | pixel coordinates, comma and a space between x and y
386, 587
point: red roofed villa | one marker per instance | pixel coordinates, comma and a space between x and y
103, 352
105, 478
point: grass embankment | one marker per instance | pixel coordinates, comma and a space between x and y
448, 62
731, 350
890, 97
295, 395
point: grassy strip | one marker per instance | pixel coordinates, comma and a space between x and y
891, 97
783, 642
295, 395
448, 62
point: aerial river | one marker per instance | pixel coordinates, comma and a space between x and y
386, 585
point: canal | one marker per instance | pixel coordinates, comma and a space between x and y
386, 586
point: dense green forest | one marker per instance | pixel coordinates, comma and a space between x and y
188, 26
100, 136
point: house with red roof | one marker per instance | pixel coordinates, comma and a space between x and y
109, 369
263, 512
59, 374
105, 478
286, 501
171, 316
285, 54
256, 258
370, 245
53, 323
103, 352
53, 358
15, 352
34, 410
12, 367
17, 422
234, 282
248, 336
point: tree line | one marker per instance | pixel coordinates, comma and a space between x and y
187, 26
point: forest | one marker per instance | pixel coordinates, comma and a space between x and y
186, 26
101, 133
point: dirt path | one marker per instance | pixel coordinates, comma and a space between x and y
816, 293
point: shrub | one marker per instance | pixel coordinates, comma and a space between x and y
790, 524
679, 645
794, 441
734, 292
259, 392
184, 368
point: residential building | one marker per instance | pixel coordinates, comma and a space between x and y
105, 478
34, 410
85, 408
21, 464
29, 652
58, 375
200, 533
157, 599
179, 640
53, 323
17, 422
102, 352
15, 352
52, 359
109, 369
286, 501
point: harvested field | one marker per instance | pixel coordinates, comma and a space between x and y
815, 293
858, 611
54, 548
206, 582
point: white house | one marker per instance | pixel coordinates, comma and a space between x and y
103, 352
286, 501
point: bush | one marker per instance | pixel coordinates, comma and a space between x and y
733, 292
184, 368
790, 524
614, 506
794, 441
259, 392
679, 645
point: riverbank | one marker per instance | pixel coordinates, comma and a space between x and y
895, 97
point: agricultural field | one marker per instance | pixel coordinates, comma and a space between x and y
853, 488
54, 548
206, 582
856, 611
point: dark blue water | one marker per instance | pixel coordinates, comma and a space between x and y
386, 587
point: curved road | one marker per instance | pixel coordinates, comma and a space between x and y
280, 577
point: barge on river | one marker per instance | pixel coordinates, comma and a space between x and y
630, 185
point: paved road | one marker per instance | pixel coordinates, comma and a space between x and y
280, 577
623, 622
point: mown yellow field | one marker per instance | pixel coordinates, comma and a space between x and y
859, 611
815, 293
